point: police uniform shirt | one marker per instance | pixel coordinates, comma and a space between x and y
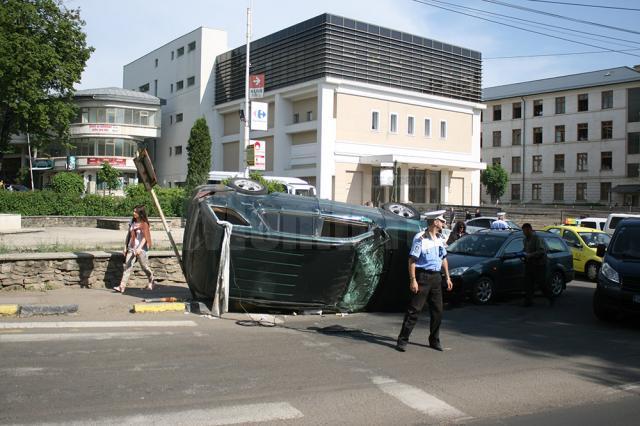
499, 224
428, 253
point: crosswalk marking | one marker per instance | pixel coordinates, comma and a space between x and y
419, 400
95, 324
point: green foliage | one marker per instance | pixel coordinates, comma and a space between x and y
68, 183
43, 52
199, 151
24, 177
109, 175
495, 179
272, 186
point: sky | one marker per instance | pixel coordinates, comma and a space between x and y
122, 31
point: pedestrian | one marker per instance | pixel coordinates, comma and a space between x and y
500, 222
427, 258
478, 214
535, 258
137, 244
459, 231
467, 215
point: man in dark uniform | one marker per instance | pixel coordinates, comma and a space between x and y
426, 259
535, 266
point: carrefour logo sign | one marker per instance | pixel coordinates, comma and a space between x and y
259, 115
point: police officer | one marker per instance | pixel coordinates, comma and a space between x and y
426, 259
500, 223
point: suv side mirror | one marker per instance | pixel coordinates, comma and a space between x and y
600, 249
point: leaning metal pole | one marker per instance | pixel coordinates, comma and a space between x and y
166, 228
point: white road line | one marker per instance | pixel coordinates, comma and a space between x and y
419, 400
21, 338
96, 324
249, 413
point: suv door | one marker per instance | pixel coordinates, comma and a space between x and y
512, 266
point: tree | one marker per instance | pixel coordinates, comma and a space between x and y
68, 183
199, 151
109, 176
43, 52
495, 179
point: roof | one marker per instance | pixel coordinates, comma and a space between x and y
566, 82
118, 94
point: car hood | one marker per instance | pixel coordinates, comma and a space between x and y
456, 260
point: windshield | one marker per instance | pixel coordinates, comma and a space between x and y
627, 243
512, 225
477, 245
592, 239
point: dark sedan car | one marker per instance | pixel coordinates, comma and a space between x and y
491, 262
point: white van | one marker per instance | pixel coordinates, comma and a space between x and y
592, 222
294, 185
613, 219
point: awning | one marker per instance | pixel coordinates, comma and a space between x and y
626, 189
432, 162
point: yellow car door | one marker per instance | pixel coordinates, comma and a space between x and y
577, 250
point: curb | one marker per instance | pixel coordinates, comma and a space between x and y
141, 308
32, 310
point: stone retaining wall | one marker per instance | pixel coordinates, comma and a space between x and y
43, 271
93, 222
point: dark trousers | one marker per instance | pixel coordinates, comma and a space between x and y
429, 291
535, 278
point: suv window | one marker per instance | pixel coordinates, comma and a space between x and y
555, 245
483, 223
570, 238
514, 246
626, 243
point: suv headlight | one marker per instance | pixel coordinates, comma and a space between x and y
458, 271
609, 273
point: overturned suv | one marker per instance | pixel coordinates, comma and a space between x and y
295, 252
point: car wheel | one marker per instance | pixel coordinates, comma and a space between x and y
482, 291
599, 310
403, 210
557, 284
592, 270
247, 186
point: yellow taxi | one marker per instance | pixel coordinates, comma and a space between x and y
583, 243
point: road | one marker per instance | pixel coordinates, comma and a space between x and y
502, 364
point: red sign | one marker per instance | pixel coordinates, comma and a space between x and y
256, 86
259, 155
104, 128
97, 161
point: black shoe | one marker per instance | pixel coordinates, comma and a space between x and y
401, 347
436, 345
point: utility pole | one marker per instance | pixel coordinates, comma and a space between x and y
30, 160
247, 112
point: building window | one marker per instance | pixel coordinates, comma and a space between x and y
516, 137
393, 123
443, 129
411, 125
560, 105
191, 81
497, 112
144, 87
309, 115
516, 164
605, 191
536, 164
607, 130
296, 117
581, 161
633, 143
583, 102
558, 191
536, 191
517, 110
375, 120
171, 89
180, 51
583, 131
537, 108
496, 161
559, 135
427, 127
537, 135
178, 150
581, 191
172, 54
558, 163
633, 169
606, 160
155, 87
170, 151
192, 46
179, 117
156, 62
607, 99
179, 85
170, 119
515, 191
497, 138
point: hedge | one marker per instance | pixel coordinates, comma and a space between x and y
50, 203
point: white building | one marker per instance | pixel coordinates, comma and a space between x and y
345, 100
573, 139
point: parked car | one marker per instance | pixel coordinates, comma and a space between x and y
618, 289
16, 187
484, 222
613, 219
583, 243
490, 262
592, 222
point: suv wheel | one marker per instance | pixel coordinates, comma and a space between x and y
557, 284
592, 270
402, 210
482, 291
599, 310
247, 186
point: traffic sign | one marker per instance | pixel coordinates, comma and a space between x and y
259, 114
259, 155
256, 86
